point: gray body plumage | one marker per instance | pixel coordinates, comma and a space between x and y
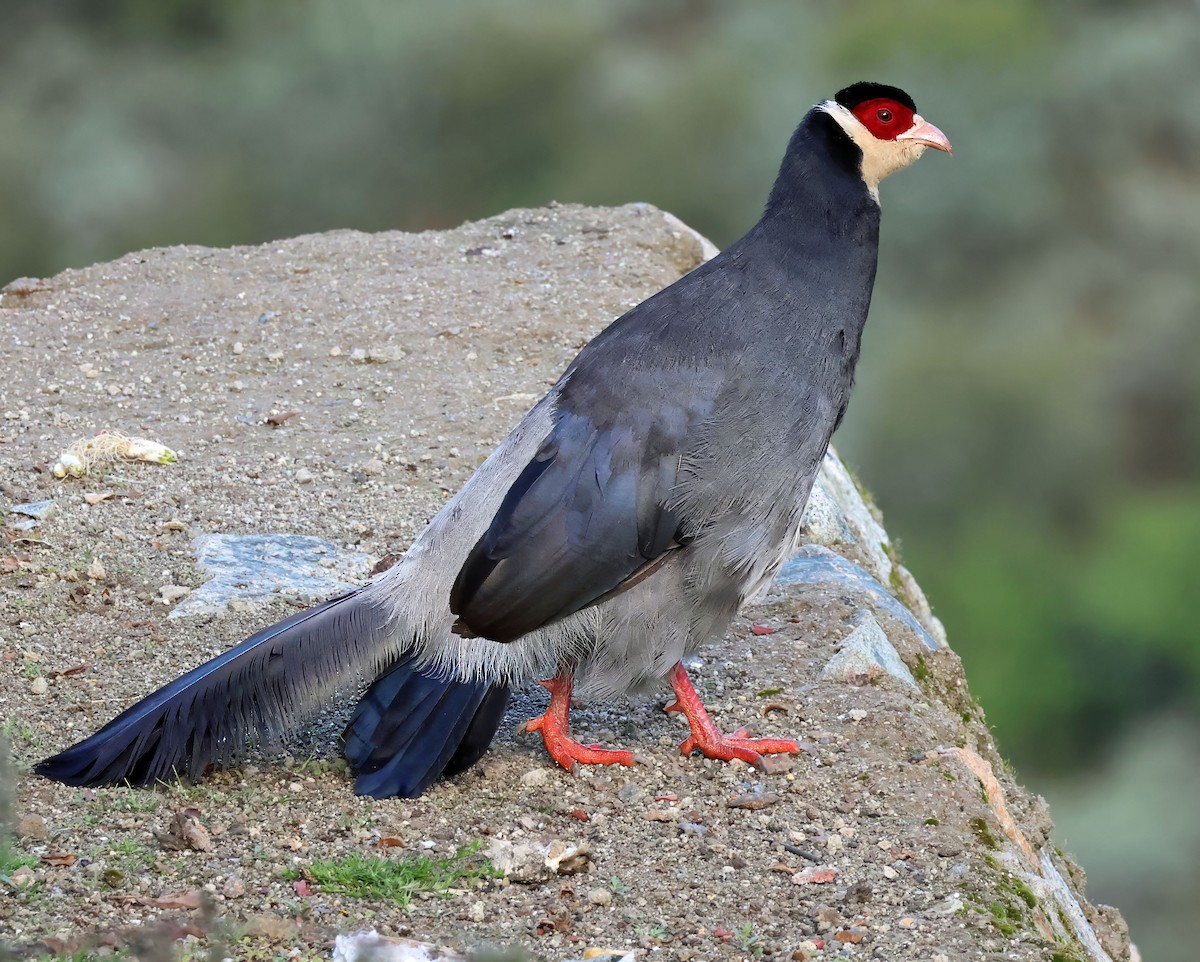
744, 367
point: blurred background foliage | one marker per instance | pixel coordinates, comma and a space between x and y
1028, 410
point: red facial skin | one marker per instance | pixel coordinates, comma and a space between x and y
884, 118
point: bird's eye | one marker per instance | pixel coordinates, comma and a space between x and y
884, 115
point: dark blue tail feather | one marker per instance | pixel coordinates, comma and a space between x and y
409, 729
208, 715
412, 727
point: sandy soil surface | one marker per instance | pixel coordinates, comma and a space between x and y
343, 385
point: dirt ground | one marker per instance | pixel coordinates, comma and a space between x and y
390, 365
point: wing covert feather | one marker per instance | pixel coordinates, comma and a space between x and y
590, 510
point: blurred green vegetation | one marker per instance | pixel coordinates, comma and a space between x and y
1028, 409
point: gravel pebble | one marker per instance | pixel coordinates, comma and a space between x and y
536, 778
32, 826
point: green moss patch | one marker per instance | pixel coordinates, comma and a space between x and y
983, 831
372, 877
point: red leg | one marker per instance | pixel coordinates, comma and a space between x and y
555, 728
706, 736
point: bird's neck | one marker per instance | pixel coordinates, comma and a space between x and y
820, 196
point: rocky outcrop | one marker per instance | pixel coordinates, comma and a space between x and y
333, 390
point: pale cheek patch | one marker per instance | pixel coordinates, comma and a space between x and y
880, 157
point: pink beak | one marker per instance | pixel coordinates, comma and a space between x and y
923, 132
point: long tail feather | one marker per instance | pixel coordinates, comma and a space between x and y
412, 727
209, 716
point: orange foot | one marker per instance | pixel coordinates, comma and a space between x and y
709, 739
555, 728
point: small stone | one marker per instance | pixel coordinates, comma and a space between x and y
303, 476
951, 905
754, 801
234, 888
169, 594
815, 876
96, 570
567, 858
238, 347
890, 873
530, 863
600, 896
185, 831
38, 510
630, 792
32, 826
866, 653
828, 919
373, 467
39, 685
823, 520
536, 777
777, 764
22, 878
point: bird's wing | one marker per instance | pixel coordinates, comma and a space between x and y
586, 514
